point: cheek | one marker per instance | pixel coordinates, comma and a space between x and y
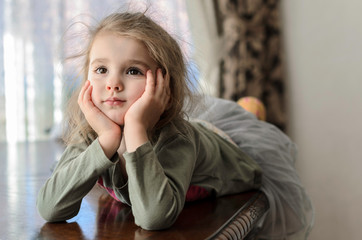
137, 90
96, 94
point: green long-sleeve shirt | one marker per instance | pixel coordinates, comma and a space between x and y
159, 174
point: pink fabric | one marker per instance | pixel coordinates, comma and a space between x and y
109, 190
195, 193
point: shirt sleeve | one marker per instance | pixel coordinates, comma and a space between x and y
74, 176
158, 181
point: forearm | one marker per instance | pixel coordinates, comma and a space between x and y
55, 205
109, 143
60, 198
135, 135
156, 200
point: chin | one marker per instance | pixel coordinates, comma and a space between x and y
120, 123
115, 115
118, 120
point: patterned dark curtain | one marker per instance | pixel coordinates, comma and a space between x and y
252, 64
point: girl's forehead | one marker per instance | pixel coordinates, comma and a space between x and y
108, 45
114, 36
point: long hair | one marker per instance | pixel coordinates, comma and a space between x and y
164, 50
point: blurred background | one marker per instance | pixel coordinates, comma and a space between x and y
36, 38
322, 41
301, 58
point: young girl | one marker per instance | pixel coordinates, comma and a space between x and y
128, 131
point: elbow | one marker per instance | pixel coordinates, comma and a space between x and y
53, 213
47, 213
153, 224
155, 220
49, 216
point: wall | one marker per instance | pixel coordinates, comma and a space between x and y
323, 44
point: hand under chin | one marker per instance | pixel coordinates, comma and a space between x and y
116, 118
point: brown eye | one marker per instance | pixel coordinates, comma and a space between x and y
134, 71
101, 70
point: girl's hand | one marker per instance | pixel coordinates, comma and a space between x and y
143, 115
147, 110
109, 133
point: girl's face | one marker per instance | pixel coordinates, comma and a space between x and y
117, 72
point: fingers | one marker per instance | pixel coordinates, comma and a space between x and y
85, 96
81, 93
150, 82
164, 88
163, 84
158, 86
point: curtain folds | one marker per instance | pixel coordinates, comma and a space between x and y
252, 63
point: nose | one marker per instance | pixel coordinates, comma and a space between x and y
114, 84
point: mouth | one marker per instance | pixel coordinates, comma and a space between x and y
114, 101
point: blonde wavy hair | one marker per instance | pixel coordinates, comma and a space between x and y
162, 47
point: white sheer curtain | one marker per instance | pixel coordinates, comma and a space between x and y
31, 71
207, 43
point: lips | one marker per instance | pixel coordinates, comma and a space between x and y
113, 101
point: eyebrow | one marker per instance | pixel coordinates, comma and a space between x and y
128, 62
99, 60
138, 62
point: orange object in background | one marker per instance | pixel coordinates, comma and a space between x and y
253, 105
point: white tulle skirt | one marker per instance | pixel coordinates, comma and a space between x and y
291, 213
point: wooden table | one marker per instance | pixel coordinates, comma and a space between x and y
26, 166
